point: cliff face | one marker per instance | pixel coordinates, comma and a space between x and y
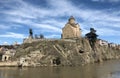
64, 52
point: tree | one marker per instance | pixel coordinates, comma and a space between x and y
31, 32
36, 37
92, 37
41, 36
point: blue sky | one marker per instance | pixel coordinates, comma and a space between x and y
48, 17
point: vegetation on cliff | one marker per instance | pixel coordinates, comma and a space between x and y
65, 52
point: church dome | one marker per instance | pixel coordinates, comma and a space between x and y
71, 18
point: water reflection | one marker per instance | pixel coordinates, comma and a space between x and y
109, 69
115, 74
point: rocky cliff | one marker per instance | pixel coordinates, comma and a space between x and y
64, 52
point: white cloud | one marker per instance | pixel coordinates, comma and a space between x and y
53, 36
47, 27
5, 43
3, 27
112, 1
46, 19
95, 0
108, 32
9, 26
57, 23
12, 35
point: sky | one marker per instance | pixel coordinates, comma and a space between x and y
48, 17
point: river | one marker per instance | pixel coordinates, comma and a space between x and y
108, 69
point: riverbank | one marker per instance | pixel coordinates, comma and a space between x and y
9, 64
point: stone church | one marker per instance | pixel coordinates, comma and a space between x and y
71, 29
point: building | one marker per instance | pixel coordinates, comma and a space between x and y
112, 45
102, 42
71, 29
8, 54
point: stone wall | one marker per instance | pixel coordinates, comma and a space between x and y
71, 32
71, 29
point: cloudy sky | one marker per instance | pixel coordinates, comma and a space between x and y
48, 17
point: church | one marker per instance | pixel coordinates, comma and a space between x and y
71, 29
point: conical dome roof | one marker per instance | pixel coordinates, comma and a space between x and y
71, 17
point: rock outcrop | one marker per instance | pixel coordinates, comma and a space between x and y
64, 52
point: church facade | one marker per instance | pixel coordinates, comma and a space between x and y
71, 29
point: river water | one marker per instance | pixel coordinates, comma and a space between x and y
108, 69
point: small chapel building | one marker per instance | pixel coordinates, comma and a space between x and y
71, 29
